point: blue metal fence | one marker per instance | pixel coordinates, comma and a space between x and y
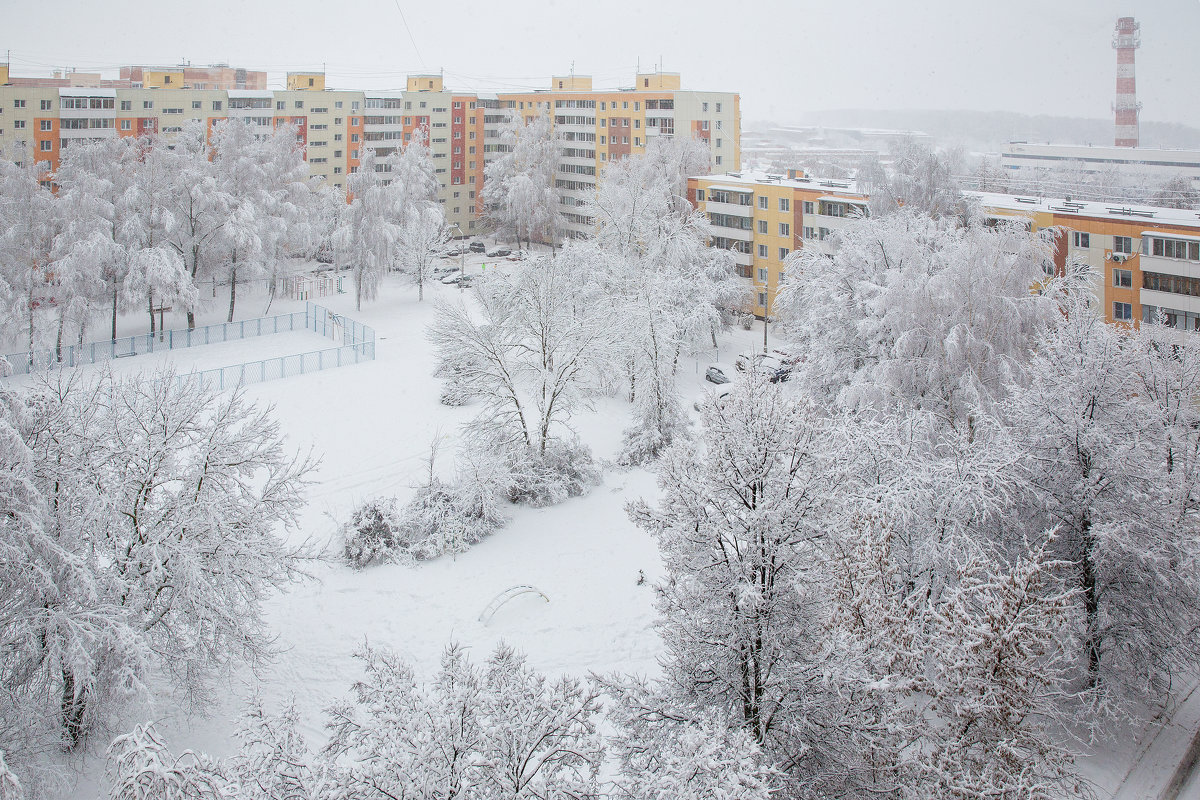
357, 344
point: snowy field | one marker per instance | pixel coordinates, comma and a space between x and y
372, 426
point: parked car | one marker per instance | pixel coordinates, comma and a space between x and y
455, 279
719, 374
717, 396
498, 252
477, 247
453, 250
764, 364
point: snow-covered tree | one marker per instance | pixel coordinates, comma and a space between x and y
239, 166
744, 611
153, 543
1107, 425
919, 179
667, 286
503, 731
196, 203
367, 231
419, 243
273, 761
518, 190
28, 224
157, 276
141, 767
917, 312
532, 350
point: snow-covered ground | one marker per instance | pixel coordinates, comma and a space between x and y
372, 425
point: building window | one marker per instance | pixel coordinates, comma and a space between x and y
354, 137
808, 207
279, 105
763, 202
195, 104
217, 105
337, 170
718, 142
704, 107
718, 160
45, 105
699, 193
1122, 312
1080, 239
718, 108
18, 103
337, 137
783, 253
785, 204
762, 251
18, 123
47, 145
1122, 278
337, 103
762, 226
810, 233
300, 103
354, 154
354, 121
126, 105
125, 125
762, 274
762, 299
1123, 244
147, 104
785, 229
47, 125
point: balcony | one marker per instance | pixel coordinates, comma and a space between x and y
1170, 266
732, 209
1171, 300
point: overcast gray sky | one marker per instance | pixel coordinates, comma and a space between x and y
1031, 56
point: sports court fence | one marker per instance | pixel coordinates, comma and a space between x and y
357, 344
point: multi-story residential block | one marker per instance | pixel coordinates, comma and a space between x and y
337, 127
1143, 259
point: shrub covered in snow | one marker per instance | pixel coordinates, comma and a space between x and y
564, 469
373, 534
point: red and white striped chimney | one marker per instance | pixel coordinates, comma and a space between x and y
1126, 39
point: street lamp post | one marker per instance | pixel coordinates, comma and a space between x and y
462, 257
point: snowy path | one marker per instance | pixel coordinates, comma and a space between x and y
1166, 754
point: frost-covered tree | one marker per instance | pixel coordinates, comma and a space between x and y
141, 767
664, 750
273, 761
503, 731
367, 231
919, 178
1107, 423
419, 243
151, 544
239, 166
744, 611
157, 276
917, 312
667, 286
195, 202
28, 224
532, 349
518, 189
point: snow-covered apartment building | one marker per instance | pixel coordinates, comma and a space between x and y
1143, 258
338, 126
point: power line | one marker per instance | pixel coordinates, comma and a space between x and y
410, 36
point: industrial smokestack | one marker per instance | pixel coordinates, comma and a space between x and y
1126, 39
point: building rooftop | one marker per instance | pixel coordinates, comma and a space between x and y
1090, 209
736, 180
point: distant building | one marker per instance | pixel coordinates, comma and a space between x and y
338, 126
1032, 163
1144, 259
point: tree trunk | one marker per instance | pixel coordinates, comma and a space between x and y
150, 308
1091, 600
74, 704
58, 339
232, 288
114, 316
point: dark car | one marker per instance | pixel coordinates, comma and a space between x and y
499, 252
478, 247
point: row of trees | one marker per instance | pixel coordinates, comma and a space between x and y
144, 223
963, 537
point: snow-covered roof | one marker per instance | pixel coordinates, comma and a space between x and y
251, 94
1092, 209
745, 181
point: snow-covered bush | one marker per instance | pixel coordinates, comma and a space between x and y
140, 767
10, 787
660, 422
373, 535
745, 321
564, 469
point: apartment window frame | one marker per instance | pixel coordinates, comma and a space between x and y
1122, 278
1122, 312
764, 202
763, 227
